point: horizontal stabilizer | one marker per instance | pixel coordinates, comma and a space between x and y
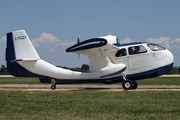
28, 59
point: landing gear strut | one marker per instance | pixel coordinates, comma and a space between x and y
53, 87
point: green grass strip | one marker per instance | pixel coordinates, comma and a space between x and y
89, 105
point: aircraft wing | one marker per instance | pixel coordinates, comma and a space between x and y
91, 47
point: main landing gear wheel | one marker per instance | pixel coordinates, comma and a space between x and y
53, 87
135, 85
127, 84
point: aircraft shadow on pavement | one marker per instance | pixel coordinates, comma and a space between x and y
92, 89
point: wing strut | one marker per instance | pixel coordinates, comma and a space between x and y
105, 57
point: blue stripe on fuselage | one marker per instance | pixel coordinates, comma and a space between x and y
127, 44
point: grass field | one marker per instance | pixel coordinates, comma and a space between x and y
89, 105
152, 81
17, 80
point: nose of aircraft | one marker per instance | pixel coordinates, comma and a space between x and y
170, 57
168, 61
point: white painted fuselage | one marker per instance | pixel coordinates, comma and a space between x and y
108, 59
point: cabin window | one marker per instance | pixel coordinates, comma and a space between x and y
137, 50
121, 53
155, 47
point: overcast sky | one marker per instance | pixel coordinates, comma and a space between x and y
53, 25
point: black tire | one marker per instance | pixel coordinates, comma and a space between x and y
127, 84
53, 87
135, 85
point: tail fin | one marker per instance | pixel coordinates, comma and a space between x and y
23, 47
19, 47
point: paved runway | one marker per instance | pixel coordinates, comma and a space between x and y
42, 87
46, 87
18, 89
89, 89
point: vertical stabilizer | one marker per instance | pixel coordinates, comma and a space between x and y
23, 47
19, 47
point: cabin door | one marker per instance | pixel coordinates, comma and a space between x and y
139, 58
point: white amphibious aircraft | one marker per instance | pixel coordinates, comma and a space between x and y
110, 61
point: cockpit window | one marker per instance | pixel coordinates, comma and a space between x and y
121, 53
155, 47
137, 50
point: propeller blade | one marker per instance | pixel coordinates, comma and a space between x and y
78, 40
79, 57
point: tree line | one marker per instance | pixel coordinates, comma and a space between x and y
85, 68
3, 70
175, 70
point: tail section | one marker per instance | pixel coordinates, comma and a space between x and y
19, 48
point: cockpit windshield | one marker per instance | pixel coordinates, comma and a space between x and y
155, 47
